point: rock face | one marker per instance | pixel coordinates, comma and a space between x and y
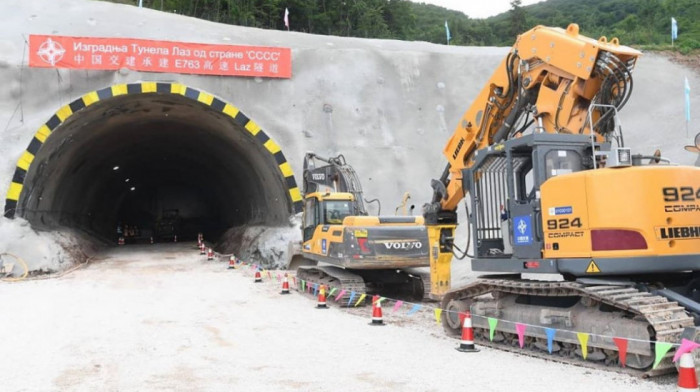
388, 106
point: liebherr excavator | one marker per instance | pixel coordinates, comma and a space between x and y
550, 188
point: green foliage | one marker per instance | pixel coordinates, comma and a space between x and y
635, 22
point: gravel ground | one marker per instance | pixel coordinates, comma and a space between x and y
163, 318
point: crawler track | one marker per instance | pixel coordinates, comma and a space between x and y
605, 311
342, 279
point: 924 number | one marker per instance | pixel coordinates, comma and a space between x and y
682, 193
563, 223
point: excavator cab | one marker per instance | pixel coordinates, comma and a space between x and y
511, 176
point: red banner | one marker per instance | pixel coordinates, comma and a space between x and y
51, 51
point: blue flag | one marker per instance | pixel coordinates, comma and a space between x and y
550, 338
687, 100
414, 309
447, 31
674, 29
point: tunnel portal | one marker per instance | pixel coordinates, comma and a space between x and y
156, 159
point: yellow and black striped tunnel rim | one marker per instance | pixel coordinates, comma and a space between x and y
86, 100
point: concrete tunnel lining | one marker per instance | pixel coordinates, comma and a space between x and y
178, 147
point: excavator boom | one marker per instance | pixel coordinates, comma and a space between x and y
551, 76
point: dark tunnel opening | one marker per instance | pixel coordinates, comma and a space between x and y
157, 165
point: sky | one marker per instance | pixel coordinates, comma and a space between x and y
476, 9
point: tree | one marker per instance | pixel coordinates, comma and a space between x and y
518, 20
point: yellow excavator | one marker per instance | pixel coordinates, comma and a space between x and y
551, 190
346, 248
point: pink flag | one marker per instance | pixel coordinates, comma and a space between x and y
269, 274
397, 305
686, 347
339, 296
521, 333
286, 18
279, 277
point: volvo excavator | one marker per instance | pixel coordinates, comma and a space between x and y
576, 232
357, 252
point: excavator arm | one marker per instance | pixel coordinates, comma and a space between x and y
549, 80
551, 77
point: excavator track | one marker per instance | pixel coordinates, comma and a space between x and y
416, 281
332, 277
605, 310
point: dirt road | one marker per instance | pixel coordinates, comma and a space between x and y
163, 318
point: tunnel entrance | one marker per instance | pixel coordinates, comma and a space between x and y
156, 159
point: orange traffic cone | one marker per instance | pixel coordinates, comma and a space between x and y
687, 380
322, 298
466, 345
202, 249
258, 276
232, 262
285, 285
376, 312
210, 254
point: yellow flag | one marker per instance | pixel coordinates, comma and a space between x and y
362, 298
438, 312
583, 339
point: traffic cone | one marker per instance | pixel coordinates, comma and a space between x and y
285, 285
466, 345
121, 241
151, 240
376, 312
210, 254
202, 249
687, 380
322, 298
232, 262
258, 277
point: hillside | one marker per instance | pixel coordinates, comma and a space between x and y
645, 23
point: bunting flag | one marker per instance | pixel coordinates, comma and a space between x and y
661, 349
397, 305
352, 296
269, 274
279, 277
583, 339
492, 327
303, 285
315, 289
621, 344
550, 338
438, 313
294, 280
380, 299
414, 309
340, 295
686, 347
333, 290
521, 333
362, 298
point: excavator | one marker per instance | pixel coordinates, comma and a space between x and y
573, 231
358, 252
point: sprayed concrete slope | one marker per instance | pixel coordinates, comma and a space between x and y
388, 106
